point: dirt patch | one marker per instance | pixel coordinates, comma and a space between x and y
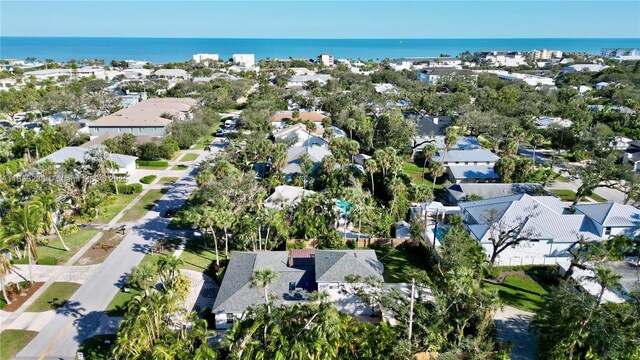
101, 249
18, 298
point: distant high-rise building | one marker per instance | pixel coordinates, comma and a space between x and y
248, 60
199, 58
325, 59
546, 54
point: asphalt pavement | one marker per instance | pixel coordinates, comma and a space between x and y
81, 317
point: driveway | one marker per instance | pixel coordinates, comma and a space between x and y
513, 326
83, 315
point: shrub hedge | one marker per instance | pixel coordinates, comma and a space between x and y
148, 179
153, 163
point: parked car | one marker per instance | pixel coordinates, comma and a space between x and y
171, 212
220, 132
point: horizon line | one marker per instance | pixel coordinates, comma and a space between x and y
321, 38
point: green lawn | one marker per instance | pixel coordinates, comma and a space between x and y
415, 173
561, 178
198, 258
521, 291
145, 204
565, 194
111, 210
597, 197
189, 157
204, 142
74, 242
180, 166
54, 297
119, 302
402, 264
12, 341
167, 180
98, 347
152, 167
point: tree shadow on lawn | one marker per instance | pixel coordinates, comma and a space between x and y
94, 323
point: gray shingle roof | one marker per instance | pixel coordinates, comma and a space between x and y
492, 190
477, 155
316, 154
334, 265
236, 294
611, 214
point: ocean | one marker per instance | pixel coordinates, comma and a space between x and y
162, 50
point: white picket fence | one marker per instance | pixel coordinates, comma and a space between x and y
533, 260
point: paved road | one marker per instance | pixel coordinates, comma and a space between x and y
82, 316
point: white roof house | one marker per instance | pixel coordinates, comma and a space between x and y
544, 122
585, 67
466, 157
302, 80
298, 135
125, 163
544, 221
172, 73
286, 196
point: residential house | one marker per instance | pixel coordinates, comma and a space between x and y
543, 122
612, 219
286, 196
150, 117
172, 74
468, 166
281, 118
294, 156
601, 85
531, 80
136, 64
79, 73
621, 54
462, 143
299, 273
460, 192
585, 68
325, 59
632, 154
247, 60
298, 135
427, 125
122, 164
302, 80
501, 58
434, 75
549, 228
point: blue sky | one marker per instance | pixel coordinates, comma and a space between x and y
323, 19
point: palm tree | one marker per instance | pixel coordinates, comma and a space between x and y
606, 278
168, 267
225, 221
428, 152
51, 206
262, 279
371, 166
25, 224
436, 169
537, 140
5, 268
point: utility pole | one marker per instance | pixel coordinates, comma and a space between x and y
413, 285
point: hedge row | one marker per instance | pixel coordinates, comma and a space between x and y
153, 163
125, 189
148, 179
